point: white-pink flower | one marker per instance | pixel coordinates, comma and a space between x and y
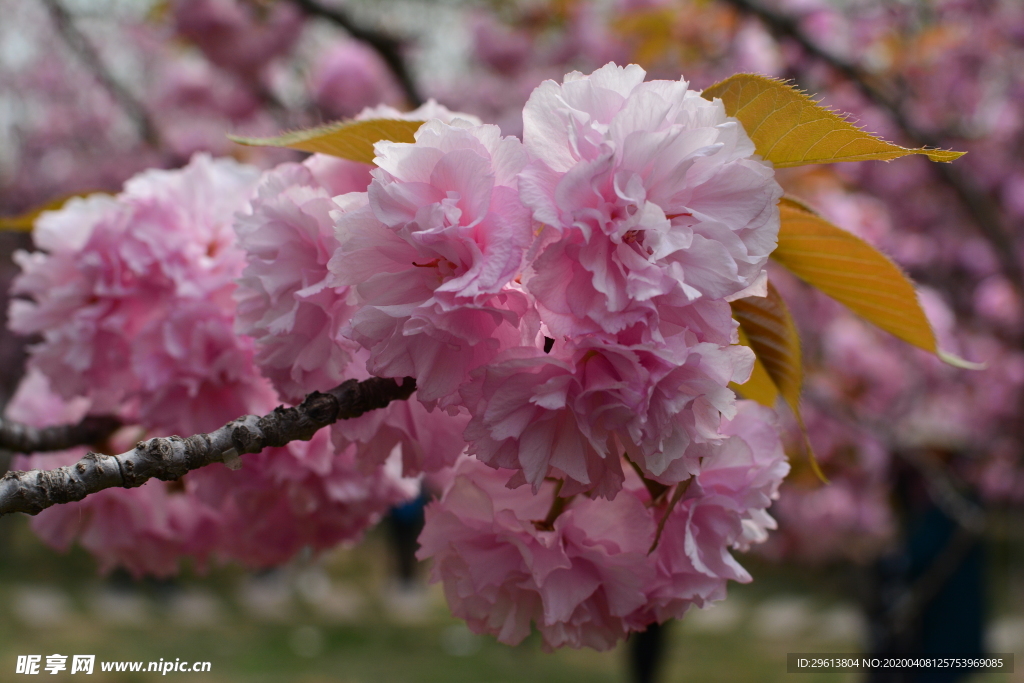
652, 199
428, 111
305, 494
433, 254
113, 270
572, 413
427, 440
284, 300
724, 507
578, 581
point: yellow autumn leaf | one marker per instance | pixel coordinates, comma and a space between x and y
791, 129
856, 274
23, 222
760, 386
852, 272
352, 140
768, 328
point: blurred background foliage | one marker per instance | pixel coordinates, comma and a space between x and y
92, 91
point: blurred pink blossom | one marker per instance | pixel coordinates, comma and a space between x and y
238, 36
350, 77
502, 48
114, 269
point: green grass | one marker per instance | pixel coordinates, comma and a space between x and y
368, 643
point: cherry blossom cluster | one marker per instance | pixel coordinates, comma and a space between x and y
562, 303
133, 298
603, 568
953, 61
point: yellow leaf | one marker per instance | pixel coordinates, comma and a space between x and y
760, 386
854, 273
767, 327
791, 129
24, 222
346, 139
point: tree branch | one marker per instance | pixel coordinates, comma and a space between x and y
85, 50
22, 438
388, 47
943, 487
977, 204
168, 458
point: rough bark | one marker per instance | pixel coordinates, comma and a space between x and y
22, 438
168, 458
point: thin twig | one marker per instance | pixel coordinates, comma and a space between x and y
18, 437
387, 46
168, 458
557, 507
974, 200
680, 491
80, 45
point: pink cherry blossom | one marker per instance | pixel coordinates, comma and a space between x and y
724, 507
305, 494
433, 253
155, 269
194, 373
284, 301
427, 440
112, 270
238, 36
572, 413
652, 198
145, 530
593, 574
577, 582
350, 77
